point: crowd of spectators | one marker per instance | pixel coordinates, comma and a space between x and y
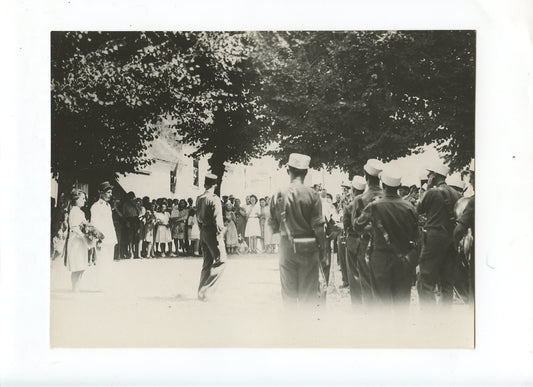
168, 227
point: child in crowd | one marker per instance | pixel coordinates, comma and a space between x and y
182, 228
231, 236
149, 225
242, 247
174, 226
194, 231
162, 234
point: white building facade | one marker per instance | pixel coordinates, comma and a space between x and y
174, 174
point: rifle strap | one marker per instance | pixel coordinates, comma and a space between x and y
385, 234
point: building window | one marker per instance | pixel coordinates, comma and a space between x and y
173, 178
195, 173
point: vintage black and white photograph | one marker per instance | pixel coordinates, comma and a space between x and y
262, 189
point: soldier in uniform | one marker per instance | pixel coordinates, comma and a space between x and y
373, 191
211, 224
296, 213
342, 203
438, 256
352, 241
394, 225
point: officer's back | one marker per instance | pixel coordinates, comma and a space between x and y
303, 210
438, 203
209, 212
399, 220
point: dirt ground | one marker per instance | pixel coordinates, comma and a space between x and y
153, 303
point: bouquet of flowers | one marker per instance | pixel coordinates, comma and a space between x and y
92, 234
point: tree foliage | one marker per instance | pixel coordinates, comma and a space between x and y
111, 89
344, 97
341, 97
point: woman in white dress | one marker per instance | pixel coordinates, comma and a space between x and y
271, 238
194, 231
77, 245
162, 233
253, 228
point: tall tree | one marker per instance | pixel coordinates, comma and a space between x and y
111, 89
237, 129
344, 97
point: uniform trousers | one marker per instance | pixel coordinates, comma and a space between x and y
298, 275
359, 277
352, 244
341, 258
391, 278
437, 265
213, 250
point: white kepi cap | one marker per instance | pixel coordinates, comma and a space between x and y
299, 161
210, 177
439, 168
373, 167
359, 183
455, 180
390, 178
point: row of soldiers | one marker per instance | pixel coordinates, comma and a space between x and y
385, 240
386, 237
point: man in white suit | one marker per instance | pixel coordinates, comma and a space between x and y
102, 219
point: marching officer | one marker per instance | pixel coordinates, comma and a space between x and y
352, 241
373, 191
394, 225
438, 256
296, 212
211, 224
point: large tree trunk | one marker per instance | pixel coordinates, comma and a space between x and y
218, 168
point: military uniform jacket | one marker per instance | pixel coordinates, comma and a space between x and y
439, 213
394, 222
304, 211
209, 212
359, 204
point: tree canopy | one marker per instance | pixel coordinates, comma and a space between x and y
344, 97
341, 97
111, 89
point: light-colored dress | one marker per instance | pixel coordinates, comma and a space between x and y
174, 215
267, 228
149, 225
232, 238
253, 227
194, 232
162, 234
181, 224
77, 246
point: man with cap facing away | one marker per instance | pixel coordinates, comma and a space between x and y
373, 191
211, 224
394, 225
343, 203
102, 219
296, 212
438, 256
352, 241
